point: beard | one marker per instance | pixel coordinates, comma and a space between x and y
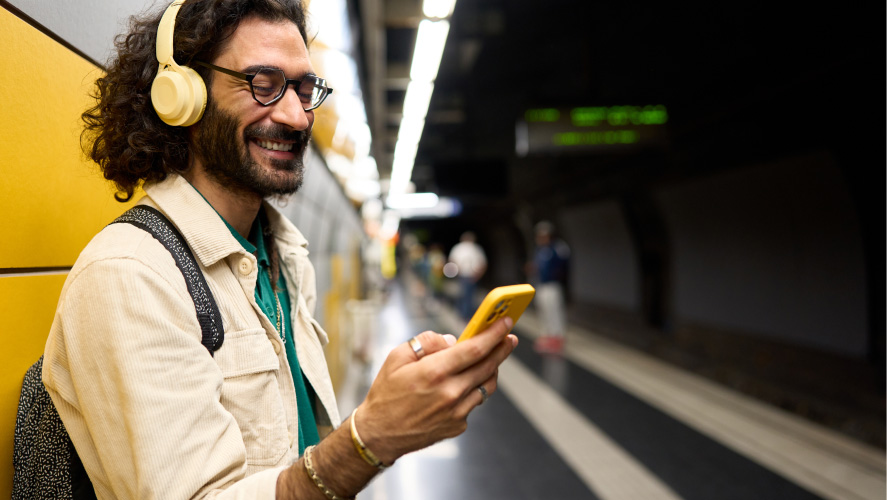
228, 161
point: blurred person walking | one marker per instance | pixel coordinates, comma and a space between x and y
549, 267
471, 261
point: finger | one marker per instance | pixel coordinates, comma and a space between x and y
486, 369
433, 342
471, 351
430, 343
476, 398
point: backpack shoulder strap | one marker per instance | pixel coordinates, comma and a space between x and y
208, 315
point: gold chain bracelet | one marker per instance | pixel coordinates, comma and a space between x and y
309, 469
362, 450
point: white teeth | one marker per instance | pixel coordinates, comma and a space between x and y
275, 146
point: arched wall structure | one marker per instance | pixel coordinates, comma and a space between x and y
773, 250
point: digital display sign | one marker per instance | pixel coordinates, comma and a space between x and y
593, 129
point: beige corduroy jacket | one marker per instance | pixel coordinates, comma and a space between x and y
151, 413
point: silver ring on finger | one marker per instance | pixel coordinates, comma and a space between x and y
417, 348
484, 395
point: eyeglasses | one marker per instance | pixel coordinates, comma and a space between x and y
269, 84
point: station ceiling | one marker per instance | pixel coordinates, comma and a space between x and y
742, 82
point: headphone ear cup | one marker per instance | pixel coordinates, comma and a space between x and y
168, 94
197, 103
179, 96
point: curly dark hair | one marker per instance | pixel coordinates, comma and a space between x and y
122, 132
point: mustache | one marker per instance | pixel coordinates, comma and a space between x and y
277, 133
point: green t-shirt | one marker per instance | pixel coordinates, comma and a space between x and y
305, 396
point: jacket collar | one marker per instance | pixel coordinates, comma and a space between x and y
203, 228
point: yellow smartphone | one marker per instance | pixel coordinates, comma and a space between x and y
503, 301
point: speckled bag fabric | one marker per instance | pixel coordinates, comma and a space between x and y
46, 464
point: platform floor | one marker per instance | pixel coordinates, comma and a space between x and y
608, 422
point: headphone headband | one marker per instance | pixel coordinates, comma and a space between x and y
165, 31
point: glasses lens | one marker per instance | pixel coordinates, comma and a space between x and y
312, 92
268, 84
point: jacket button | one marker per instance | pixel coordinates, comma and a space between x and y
245, 267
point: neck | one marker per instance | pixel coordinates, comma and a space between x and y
238, 208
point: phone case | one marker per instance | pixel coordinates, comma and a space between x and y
502, 301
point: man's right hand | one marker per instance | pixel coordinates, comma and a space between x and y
414, 403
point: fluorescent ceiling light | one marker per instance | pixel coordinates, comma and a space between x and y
402, 167
417, 99
438, 8
445, 207
404, 151
430, 42
412, 200
410, 129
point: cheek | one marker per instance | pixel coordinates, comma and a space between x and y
249, 119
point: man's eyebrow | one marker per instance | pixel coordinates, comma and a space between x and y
256, 67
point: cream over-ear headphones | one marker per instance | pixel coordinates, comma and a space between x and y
178, 93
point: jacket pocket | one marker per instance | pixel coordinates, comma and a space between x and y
251, 393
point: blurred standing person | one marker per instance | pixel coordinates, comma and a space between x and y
436, 261
549, 265
471, 261
418, 263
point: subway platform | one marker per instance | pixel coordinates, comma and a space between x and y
610, 422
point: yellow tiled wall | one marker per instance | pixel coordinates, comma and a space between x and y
52, 199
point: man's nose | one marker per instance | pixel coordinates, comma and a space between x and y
288, 111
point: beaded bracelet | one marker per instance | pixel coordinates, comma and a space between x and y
362, 450
309, 469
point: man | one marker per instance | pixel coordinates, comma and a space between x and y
471, 262
150, 411
550, 267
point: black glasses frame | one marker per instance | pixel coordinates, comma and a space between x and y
318, 82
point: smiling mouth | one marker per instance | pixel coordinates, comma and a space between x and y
274, 146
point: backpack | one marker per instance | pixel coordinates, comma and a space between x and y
46, 464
